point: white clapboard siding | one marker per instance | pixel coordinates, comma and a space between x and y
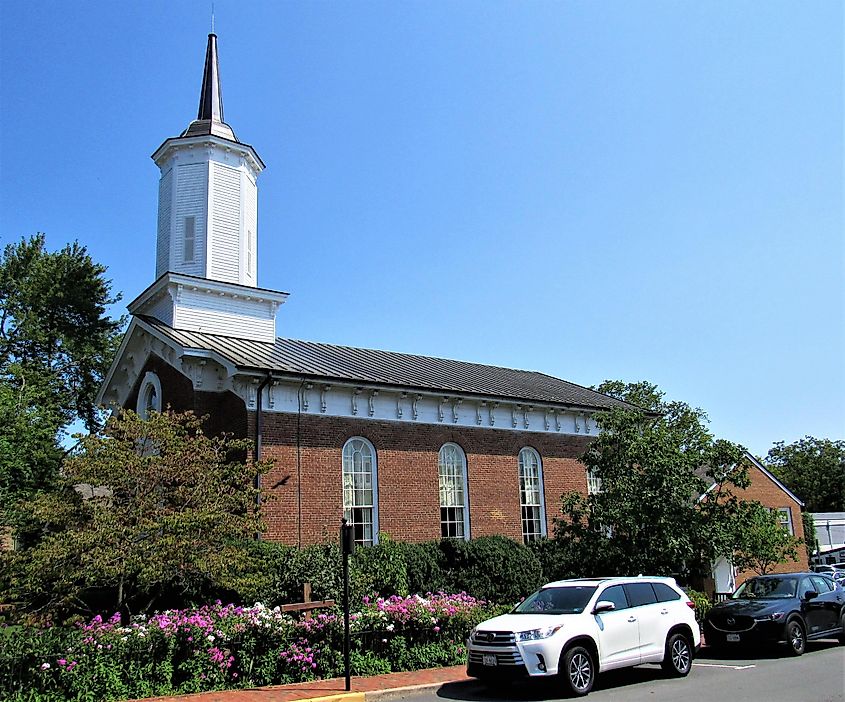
199, 311
251, 223
165, 197
191, 201
226, 223
162, 310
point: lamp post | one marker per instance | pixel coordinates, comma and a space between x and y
347, 547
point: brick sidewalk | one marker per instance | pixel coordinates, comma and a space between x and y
362, 688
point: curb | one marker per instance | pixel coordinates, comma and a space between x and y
339, 697
397, 692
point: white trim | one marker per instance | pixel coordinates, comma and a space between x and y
374, 474
150, 382
465, 487
541, 488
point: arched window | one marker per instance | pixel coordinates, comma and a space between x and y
454, 510
149, 396
531, 495
360, 490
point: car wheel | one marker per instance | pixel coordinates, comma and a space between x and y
577, 671
677, 659
796, 639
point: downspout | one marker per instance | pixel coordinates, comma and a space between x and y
257, 453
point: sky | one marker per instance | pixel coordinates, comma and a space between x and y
595, 190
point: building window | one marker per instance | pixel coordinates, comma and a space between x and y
785, 519
454, 511
149, 396
189, 239
593, 483
531, 495
360, 490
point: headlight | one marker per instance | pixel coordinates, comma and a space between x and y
776, 617
536, 634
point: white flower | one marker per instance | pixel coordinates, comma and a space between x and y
390, 627
45, 666
210, 637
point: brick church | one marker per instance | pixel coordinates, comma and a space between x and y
413, 446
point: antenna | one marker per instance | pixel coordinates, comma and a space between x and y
212, 18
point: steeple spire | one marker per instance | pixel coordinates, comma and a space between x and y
210, 113
211, 96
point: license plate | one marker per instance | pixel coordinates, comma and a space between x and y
732, 637
489, 659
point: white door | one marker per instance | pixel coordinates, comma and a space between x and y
619, 636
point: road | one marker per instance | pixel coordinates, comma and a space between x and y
817, 676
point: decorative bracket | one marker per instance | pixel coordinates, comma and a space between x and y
271, 394
355, 393
492, 412
557, 421
305, 389
440, 408
399, 400
577, 425
546, 419
514, 410
371, 402
416, 399
478, 411
586, 424
525, 412
323, 390
455, 404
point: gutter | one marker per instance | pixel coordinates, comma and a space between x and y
257, 452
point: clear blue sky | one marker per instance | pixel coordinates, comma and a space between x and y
633, 190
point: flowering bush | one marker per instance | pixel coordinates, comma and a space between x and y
227, 646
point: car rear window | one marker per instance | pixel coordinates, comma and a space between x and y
640, 594
822, 584
557, 600
665, 593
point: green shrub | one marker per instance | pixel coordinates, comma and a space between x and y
380, 569
424, 566
703, 604
560, 559
493, 568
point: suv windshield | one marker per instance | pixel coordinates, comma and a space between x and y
766, 588
557, 600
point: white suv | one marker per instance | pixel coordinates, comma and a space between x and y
577, 628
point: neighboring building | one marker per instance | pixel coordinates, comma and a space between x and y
766, 489
830, 537
414, 446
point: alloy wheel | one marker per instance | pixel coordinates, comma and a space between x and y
681, 658
580, 671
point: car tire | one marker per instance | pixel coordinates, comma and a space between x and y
796, 637
677, 658
577, 671
842, 626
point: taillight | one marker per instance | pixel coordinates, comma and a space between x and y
690, 604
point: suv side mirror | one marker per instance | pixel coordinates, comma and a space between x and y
810, 594
603, 606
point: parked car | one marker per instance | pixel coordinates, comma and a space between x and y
790, 609
575, 629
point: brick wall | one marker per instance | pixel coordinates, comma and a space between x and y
768, 493
304, 487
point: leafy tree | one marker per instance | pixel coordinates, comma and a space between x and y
814, 469
762, 542
147, 507
654, 464
56, 343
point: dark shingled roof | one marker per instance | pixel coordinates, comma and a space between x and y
345, 363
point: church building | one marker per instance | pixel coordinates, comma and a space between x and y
413, 446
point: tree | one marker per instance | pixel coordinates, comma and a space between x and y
653, 463
814, 469
762, 543
147, 507
56, 344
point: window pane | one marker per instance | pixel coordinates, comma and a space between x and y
531, 495
358, 489
452, 471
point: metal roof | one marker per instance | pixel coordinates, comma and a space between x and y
210, 119
328, 362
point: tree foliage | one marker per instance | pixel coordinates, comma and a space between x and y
146, 508
762, 542
56, 343
814, 469
654, 464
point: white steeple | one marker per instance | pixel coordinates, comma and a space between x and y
206, 250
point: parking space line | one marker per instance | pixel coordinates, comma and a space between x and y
721, 665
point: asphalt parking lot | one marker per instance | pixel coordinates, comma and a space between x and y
771, 676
